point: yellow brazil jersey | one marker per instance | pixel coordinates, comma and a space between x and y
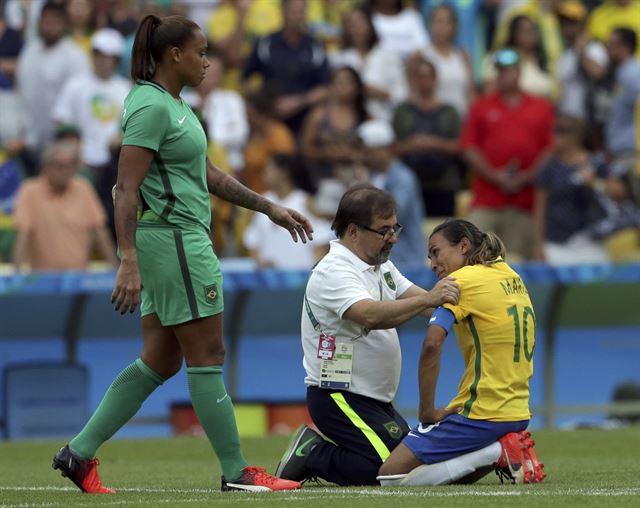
496, 331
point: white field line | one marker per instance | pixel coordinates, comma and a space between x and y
324, 492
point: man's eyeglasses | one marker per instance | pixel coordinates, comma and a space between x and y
385, 233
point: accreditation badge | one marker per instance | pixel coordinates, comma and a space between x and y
336, 373
326, 346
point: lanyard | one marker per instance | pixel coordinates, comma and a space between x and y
312, 318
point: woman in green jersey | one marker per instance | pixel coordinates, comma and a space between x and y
168, 267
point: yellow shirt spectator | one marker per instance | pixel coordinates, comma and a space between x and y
611, 15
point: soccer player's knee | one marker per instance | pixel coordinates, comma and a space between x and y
172, 368
216, 354
384, 470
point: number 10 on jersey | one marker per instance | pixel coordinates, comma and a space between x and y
521, 329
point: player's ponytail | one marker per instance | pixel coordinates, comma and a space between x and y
143, 64
489, 249
153, 38
486, 246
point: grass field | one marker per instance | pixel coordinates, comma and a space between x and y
598, 468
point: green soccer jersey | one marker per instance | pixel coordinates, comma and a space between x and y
175, 187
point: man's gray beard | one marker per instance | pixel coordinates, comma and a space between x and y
382, 258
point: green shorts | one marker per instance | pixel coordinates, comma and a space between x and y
181, 277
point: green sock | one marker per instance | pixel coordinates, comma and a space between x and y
215, 411
122, 400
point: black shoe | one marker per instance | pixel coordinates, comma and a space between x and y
82, 472
293, 464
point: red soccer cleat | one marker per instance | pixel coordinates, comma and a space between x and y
534, 466
512, 463
84, 473
256, 479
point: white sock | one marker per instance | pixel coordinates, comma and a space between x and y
393, 480
451, 470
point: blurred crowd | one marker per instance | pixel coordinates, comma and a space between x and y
520, 115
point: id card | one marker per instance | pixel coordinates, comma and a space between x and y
336, 373
326, 347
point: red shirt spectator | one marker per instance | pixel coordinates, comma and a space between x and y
505, 141
510, 137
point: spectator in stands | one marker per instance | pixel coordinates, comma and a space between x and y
44, 67
93, 102
506, 139
293, 63
13, 135
524, 37
400, 27
224, 112
455, 85
427, 133
267, 137
565, 199
471, 26
123, 16
381, 71
13, 128
543, 13
582, 61
329, 133
390, 174
24, 16
612, 14
620, 135
82, 22
269, 245
59, 218
11, 43
234, 26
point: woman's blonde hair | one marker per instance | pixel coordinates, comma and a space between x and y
487, 247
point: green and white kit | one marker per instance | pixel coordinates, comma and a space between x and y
181, 277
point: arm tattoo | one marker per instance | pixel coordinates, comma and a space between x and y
130, 225
126, 219
229, 189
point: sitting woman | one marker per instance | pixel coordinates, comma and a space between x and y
329, 135
484, 426
427, 138
455, 83
570, 192
382, 72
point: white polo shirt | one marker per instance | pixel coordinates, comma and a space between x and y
338, 281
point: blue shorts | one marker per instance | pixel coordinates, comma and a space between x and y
455, 436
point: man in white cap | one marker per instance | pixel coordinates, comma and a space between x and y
388, 173
92, 104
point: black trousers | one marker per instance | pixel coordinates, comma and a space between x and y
364, 431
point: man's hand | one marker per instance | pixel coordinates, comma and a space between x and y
445, 291
294, 222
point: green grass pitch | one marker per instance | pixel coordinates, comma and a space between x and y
586, 468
